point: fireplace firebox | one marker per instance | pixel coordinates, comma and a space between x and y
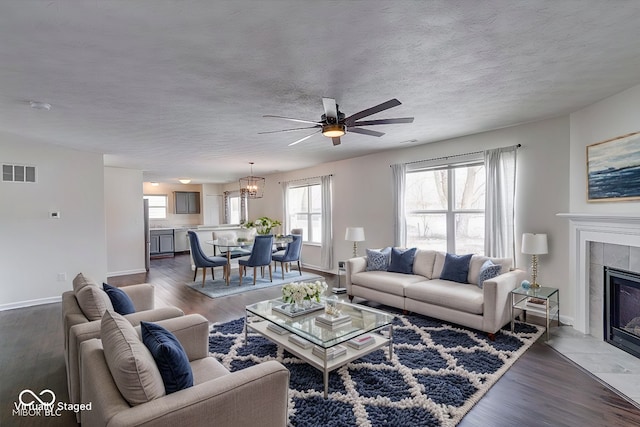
622, 309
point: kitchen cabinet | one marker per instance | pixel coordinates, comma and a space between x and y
187, 202
161, 242
180, 240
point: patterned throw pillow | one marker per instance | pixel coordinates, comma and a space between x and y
456, 268
489, 270
402, 260
378, 260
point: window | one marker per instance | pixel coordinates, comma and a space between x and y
445, 208
157, 206
304, 208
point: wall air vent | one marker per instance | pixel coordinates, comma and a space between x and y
18, 173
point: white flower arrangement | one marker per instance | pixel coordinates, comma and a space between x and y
300, 291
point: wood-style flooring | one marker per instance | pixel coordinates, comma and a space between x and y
543, 388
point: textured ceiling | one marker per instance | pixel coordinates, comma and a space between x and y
179, 88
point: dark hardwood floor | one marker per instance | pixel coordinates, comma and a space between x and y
543, 388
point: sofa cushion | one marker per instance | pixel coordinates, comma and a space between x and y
131, 364
477, 261
80, 281
488, 271
121, 302
423, 262
402, 260
93, 301
457, 296
385, 281
378, 260
438, 264
456, 268
170, 357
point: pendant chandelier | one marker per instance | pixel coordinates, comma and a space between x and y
252, 186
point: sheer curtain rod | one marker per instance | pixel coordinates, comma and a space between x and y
454, 156
305, 179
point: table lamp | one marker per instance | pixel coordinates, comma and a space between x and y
534, 245
355, 235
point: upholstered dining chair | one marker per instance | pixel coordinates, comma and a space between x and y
260, 257
201, 260
291, 254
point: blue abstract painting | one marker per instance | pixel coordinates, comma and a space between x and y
613, 169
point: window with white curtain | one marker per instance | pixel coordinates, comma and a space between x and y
304, 210
445, 207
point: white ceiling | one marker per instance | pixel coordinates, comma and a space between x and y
179, 88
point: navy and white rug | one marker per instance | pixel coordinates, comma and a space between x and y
437, 373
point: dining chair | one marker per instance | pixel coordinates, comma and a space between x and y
201, 260
291, 254
260, 257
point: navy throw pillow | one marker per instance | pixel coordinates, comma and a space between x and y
121, 302
489, 270
402, 261
456, 268
378, 260
169, 355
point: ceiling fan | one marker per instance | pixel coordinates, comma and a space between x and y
333, 123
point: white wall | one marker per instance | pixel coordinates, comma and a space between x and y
35, 249
609, 118
124, 221
363, 192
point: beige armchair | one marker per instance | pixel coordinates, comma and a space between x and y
78, 327
255, 396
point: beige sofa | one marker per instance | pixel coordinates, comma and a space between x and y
80, 326
255, 396
486, 309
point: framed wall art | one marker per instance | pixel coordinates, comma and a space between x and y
613, 169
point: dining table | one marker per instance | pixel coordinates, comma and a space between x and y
227, 245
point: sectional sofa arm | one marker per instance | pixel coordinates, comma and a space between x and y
497, 293
142, 295
254, 396
353, 266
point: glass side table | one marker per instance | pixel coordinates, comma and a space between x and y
544, 301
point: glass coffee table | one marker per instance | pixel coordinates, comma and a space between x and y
322, 345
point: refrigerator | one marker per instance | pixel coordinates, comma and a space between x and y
147, 235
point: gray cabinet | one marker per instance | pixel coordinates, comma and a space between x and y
161, 242
187, 202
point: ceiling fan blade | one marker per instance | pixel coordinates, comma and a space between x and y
336, 140
365, 131
287, 130
330, 109
302, 139
292, 119
369, 111
384, 121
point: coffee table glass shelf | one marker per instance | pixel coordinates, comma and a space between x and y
543, 301
320, 346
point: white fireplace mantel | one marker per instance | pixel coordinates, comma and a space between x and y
585, 228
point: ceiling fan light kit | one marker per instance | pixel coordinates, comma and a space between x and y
333, 123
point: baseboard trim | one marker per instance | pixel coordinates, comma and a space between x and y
30, 303
126, 272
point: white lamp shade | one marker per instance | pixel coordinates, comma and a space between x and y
354, 234
534, 244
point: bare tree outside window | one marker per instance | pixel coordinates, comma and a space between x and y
445, 208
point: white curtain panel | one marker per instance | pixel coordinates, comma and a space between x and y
326, 258
500, 165
399, 172
285, 208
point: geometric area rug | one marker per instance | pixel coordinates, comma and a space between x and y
437, 373
218, 288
